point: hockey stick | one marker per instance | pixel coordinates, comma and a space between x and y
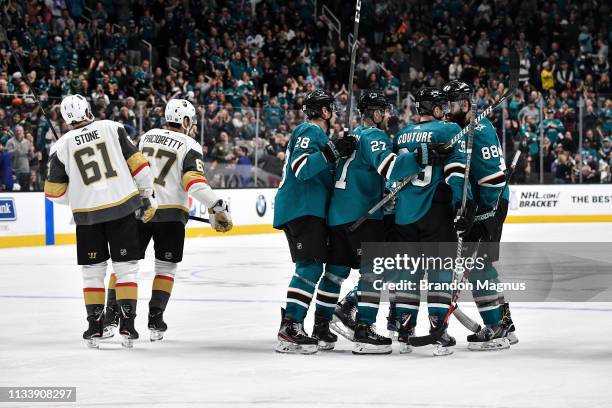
435, 335
193, 217
514, 67
464, 319
353, 57
32, 91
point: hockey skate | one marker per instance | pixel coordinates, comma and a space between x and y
292, 339
320, 332
393, 323
126, 326
491, 337
508, 324
405, 332
157, 326
343, 322
446, 342
111, 321
367, 341
94, 332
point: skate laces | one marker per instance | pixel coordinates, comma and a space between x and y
298, 327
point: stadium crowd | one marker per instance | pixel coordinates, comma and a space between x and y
247, 68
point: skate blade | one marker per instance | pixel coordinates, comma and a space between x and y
441, 351
366, 348
326, 346
127, 341
157, 335
287, 347
493, 345
405, 348
512, 338
339, 328
108, 332
93, 343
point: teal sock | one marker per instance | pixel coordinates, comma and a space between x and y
368, 299
438, 302
301, 289
328, 290
487, 301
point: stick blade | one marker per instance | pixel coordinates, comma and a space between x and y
431, 338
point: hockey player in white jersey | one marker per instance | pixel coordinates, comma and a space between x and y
176, 163
97, 169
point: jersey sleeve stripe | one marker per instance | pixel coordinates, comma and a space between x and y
493, 180
386, 166
298, 163
192, 177
55, 190
136, 162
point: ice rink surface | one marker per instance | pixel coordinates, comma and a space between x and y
223, 318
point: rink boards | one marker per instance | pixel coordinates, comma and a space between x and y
28, 219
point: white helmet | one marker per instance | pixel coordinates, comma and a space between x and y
75, 109
177, 109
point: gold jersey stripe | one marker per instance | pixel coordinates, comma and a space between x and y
102, 207
135, 161
191, 177
163, 284
171, 206
55, 189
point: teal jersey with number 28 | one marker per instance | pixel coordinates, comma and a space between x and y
360, 178
307, 179
415, 199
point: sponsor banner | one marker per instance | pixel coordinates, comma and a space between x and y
22, 214
549, 200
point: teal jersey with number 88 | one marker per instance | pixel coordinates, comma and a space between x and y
307, 179
360, 178
487, 172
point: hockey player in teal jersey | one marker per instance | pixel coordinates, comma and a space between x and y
300, 210
359, 185
487, 180
426, 209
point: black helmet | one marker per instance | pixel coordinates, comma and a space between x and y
457, 91
428, 98
317, 100
372, 100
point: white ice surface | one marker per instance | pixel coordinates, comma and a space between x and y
223, 318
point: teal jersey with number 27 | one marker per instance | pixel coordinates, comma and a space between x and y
360, 178
307, 179
414, 200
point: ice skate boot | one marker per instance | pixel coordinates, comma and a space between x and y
446, 342
126, 326
491, 337
343, 322
94, 332
508, 324
111, 321
292, 338
157, 326
405, 332
320, 332
367, 341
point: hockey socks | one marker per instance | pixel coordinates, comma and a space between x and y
301, 289
368, 299
162, 284
487, 300
328, 290
438, 301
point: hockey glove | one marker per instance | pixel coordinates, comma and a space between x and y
219, 216
484, 230
431, 154
463, 222
389, 205
148, 207
343, 147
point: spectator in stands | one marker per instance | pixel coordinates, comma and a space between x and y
21, 151
6, 170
